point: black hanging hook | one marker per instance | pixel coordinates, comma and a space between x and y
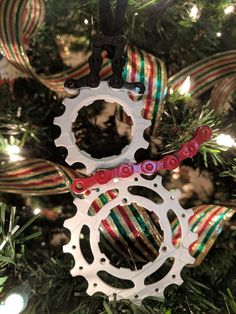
112, 40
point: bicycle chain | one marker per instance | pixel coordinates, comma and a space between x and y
147, 167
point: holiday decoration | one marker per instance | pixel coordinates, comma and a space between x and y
88, 96
130, 237
129, 173
207, 222
36, 177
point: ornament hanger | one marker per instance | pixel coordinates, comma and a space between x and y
112, 40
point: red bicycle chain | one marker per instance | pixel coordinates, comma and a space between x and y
148, 167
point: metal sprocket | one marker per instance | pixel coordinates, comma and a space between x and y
86, 97
167, 250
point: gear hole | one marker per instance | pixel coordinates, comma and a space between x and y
161, 272
130, 236
115, 282
102, 129
175, 228
84, 241
146, 192
102, 200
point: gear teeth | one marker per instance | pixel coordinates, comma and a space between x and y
68, 222
86, 97
60, 141
179, 281
74, 271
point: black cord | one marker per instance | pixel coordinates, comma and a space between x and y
112, 25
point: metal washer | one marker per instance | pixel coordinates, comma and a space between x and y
86, 97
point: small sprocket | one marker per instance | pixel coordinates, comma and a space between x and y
87, 96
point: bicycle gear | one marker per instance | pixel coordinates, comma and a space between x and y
86, 97
180, 255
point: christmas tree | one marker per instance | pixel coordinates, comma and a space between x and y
184, 53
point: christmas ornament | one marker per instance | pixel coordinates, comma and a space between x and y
105, 181
131, 233
20, 22
88, 96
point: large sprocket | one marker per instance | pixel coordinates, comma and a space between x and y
86, 97
179, 254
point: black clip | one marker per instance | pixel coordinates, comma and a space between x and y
113, 42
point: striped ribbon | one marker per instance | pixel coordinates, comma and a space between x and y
206, 73
207, 221
218, 70
20, 19
222, 92
130, 231
36, 177
133, 234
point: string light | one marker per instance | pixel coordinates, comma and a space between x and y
229, 9
219, 34
185, 87
37, 211
86, 21
17, 299
136, 13
194, 13
13, 152
225, 140
14, 304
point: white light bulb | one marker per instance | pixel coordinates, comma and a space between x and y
219, 34
229, 9
37, 211
225, 140
14, 304
86, 21
13, 149
171, 91
13, 152
194, 12
185, 87
136, 13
